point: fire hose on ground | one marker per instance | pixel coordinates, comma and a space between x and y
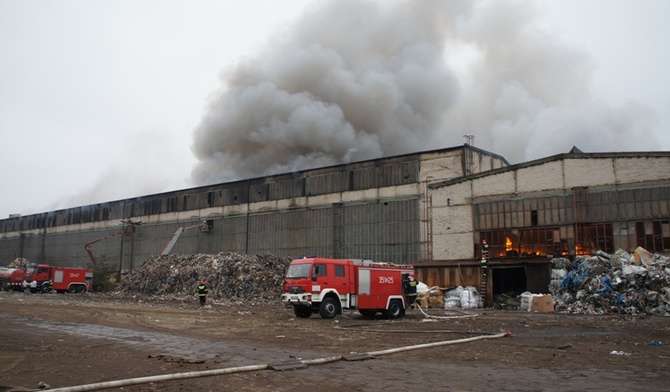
462, 315
251, 368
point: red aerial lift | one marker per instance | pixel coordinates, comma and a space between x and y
128, 229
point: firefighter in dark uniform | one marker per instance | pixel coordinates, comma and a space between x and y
202, 292
410, 290
485, 259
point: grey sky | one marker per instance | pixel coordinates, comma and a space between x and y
99, 100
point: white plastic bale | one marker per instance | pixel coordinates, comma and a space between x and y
470, 298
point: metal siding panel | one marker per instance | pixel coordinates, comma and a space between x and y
10, 249
327, 183
385, 231
654, 207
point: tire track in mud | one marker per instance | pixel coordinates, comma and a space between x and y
157, 343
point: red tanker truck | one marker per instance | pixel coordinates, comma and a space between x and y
12, 279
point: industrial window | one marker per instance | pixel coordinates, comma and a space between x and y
654, 236
339, 270
172, 204
591, 238
525, 242
533, 218
152, 206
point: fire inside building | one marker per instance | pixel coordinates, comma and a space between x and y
431, 209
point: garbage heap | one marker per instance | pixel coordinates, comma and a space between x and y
229, 277
19, 263
620, 283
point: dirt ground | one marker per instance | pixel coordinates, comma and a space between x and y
78, 339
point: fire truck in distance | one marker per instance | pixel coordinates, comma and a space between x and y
43, 278
328, 286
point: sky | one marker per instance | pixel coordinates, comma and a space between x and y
107, 100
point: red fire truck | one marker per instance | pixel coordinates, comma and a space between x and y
44, 278
328, 286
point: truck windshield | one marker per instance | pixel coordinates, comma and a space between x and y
298, 271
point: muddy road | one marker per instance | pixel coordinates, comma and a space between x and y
72, 340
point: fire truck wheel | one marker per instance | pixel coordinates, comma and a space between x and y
302, 311
46, 288
328, 308
72, 289
394, 310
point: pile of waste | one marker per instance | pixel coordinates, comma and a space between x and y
620, 283
19, 263
229, 277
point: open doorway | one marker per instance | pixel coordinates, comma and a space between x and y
509, 280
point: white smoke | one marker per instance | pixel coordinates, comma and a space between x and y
354, 80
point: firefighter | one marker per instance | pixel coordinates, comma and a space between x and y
410, 290
485, 259
202, 292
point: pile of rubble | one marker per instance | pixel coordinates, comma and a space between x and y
19, 263
620, 283
229, 277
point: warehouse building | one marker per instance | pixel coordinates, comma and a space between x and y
371, 210
561, 206
431, 209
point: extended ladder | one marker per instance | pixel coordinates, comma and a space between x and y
483, 283
170, 244
484, 266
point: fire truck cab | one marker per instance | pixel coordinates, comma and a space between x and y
328, 286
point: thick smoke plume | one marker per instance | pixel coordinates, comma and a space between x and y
354, 80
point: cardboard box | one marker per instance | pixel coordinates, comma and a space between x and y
542, 304
436, 300
422, 300
431, 300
